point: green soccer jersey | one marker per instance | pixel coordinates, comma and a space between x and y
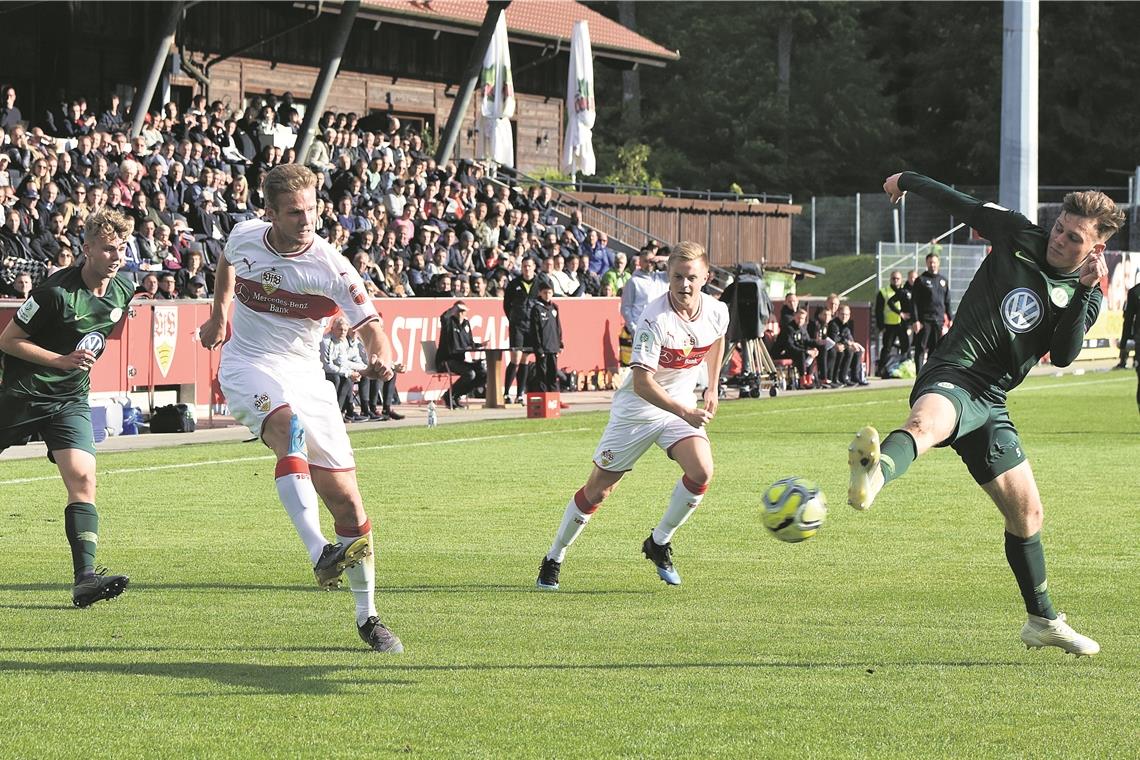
62, 315
1017, 308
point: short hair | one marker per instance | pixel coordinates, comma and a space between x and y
932, 255
1095, 205
108, 223
287, 178
688, 251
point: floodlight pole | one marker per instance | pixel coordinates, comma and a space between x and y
470, 79
323, 85
144, 93
1018, 175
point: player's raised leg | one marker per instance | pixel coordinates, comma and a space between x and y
874, 463
581, 507
694, 455
1016, 496
283, 432
81, 523
339, 490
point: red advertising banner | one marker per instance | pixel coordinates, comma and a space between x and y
156, 345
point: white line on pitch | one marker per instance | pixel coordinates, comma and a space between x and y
381, 447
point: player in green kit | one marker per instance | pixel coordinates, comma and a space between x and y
1037, 292
48, 350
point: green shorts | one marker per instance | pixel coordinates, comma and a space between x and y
62, 424
984, 436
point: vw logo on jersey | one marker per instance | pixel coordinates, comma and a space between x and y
93, 342
1021, 310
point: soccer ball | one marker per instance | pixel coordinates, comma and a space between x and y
794, 509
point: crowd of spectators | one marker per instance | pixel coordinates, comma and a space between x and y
411, 227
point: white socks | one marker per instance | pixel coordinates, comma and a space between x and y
295, 489
362, 578
686, 496
578, 512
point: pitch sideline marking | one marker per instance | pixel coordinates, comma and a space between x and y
1043, 386
381, 447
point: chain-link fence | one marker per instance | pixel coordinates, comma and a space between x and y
846, 225
958, 263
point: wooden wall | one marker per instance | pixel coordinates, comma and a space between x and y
731, 231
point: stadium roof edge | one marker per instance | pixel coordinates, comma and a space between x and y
536, 22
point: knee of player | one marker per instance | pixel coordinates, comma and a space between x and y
700, 475
81, 486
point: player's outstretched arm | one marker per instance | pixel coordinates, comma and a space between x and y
649, 389
213, 332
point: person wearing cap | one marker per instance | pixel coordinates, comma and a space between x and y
455, 342
462, 258
197, 288
478, 285
27, 202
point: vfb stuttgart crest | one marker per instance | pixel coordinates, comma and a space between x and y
261, 402
1021, 310
270, 281
165, 336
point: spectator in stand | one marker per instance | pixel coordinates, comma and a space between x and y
111, 120
794, 343
455, 343
148, 288
850, 353
22, 286
404, 225
825, 347
196, 288
10, 116
342, 366
63, 259
167, 287
618, 275
478, 285
600, 257
151, 256
192, 266
576, 228
545, 339
47, 245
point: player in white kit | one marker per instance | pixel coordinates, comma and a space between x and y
675, 333
286, 280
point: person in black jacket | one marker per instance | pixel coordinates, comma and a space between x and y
517, 301
794, 343
825, 347
545, 339
849, 362
455, 340
931, 294
1130, 331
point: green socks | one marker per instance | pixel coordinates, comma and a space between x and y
895, 454
81, 522
1027, 560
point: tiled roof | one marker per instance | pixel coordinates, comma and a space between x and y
541, 20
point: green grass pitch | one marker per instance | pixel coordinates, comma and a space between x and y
891, 634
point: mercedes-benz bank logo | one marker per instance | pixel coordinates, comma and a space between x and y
1021, 310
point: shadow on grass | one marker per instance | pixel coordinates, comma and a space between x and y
471, 588
269, 679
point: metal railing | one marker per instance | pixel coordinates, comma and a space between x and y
668, 192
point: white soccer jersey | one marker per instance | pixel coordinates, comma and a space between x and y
282, 298
672, 347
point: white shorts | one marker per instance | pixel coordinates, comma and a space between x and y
254, 393
623, 442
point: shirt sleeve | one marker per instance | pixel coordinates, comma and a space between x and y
39, 312
999, 225
646, 347
350, 295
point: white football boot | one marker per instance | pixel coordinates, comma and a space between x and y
866, 477
1042, 632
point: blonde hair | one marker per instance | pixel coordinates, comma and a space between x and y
287, 178
109, 223
1095, 205
688, 251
